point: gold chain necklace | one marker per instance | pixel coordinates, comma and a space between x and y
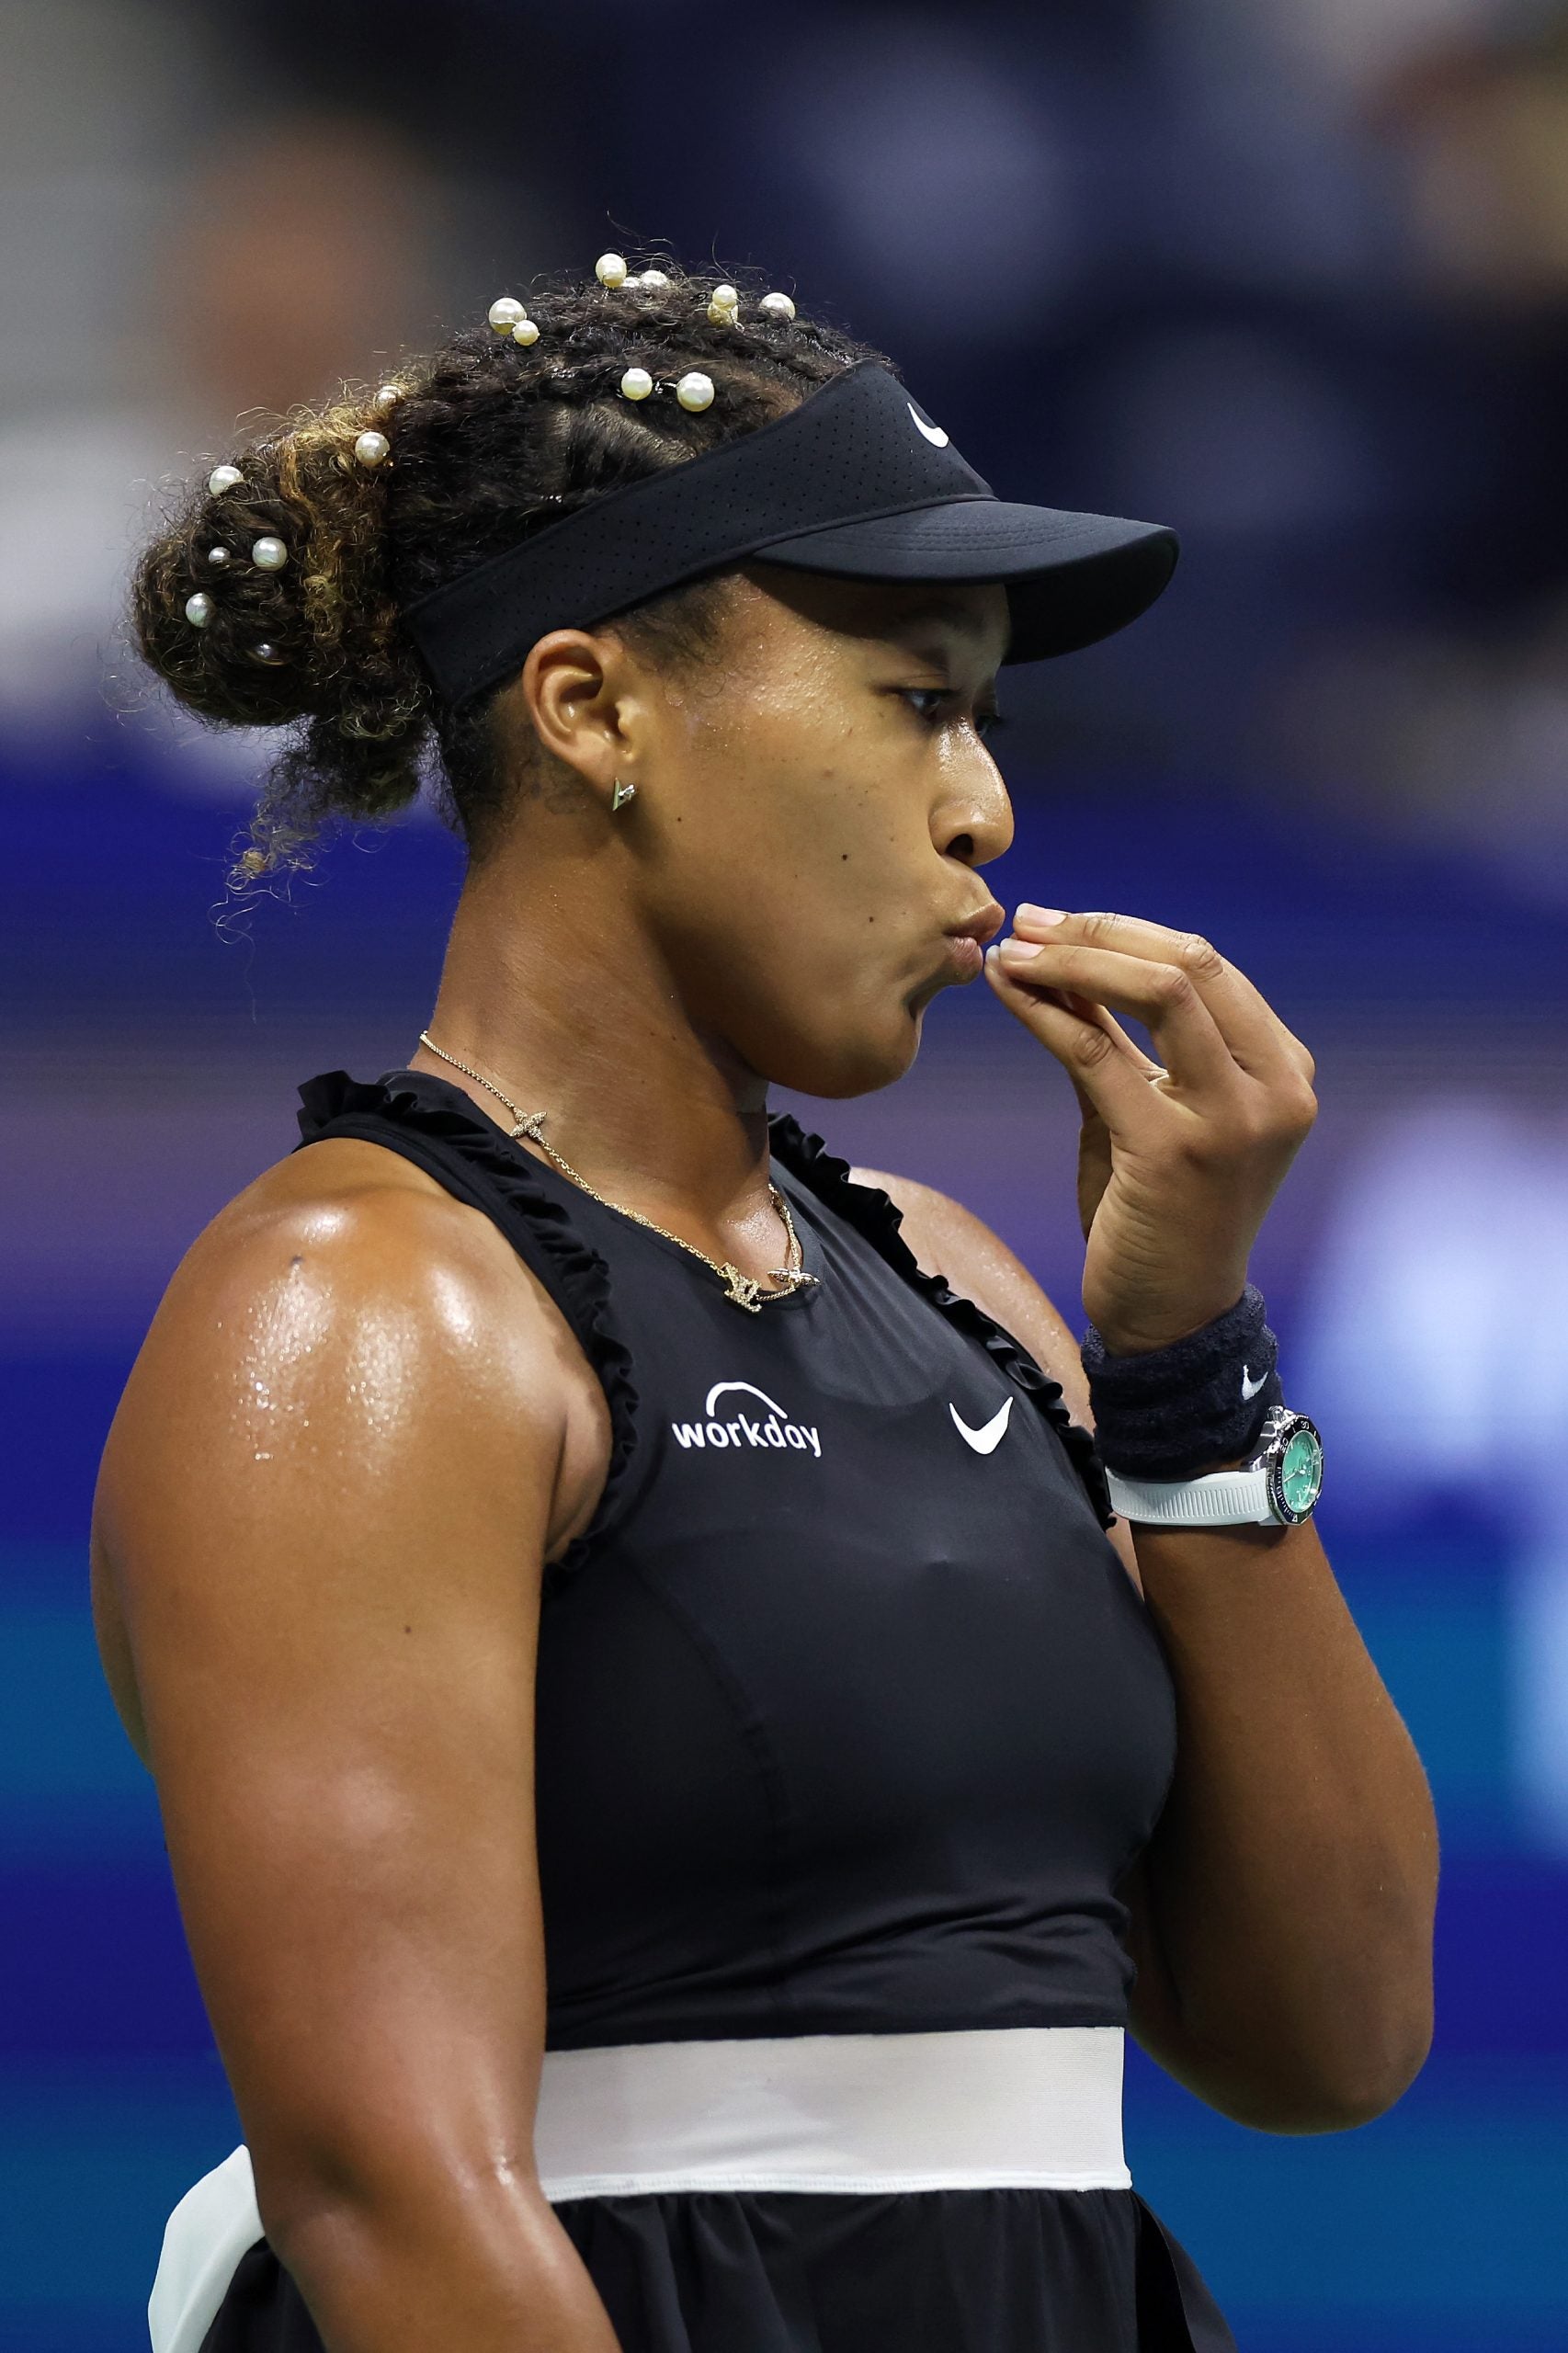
745, 1291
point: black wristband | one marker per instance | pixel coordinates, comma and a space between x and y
1175, 1412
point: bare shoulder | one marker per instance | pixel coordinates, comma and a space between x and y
950, 1240
344, 1338
355, 1218
348, 1292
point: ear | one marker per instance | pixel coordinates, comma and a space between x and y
580, 693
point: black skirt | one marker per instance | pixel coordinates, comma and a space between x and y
788, 2271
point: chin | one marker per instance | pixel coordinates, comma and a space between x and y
844, 1064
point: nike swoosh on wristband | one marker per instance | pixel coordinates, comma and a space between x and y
988, 1437
1251, 1388
933, 432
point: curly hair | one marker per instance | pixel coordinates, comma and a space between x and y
489, 438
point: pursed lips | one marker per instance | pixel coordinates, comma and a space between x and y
967, 942
963, 953
964, 946
981, 926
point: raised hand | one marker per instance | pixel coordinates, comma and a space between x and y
1178, 1160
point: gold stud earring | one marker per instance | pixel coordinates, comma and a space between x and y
623, 792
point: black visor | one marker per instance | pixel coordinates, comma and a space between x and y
857, 481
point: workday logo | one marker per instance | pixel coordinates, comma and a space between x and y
738, 1429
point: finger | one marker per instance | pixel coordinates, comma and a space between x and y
1187, 1036
1108, 1078
1252, 1030
1087, 1010
1090, 1011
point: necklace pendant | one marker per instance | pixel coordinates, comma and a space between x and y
742, 1288
531, 1124
796, 1277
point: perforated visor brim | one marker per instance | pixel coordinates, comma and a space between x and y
853, 480
1071, 579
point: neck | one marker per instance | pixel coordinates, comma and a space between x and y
573, 1012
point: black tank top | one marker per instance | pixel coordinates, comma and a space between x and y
848, 1714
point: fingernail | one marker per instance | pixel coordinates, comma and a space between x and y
1027, 913
1015, 951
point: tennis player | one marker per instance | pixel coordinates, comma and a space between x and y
692, 1715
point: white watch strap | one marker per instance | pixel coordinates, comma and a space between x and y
1220, 1499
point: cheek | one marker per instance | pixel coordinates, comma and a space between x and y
766, 782
797, 843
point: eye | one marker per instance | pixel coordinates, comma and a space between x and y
985, 722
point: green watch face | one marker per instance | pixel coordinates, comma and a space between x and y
1298, 1475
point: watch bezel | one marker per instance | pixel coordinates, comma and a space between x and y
1284, 1424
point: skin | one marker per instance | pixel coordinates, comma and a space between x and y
359, 1427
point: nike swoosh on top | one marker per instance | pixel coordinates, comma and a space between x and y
1251, 1388
932, 432
986, 1439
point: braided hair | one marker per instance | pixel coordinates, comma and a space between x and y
488, 439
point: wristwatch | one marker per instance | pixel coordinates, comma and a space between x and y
1280, 1484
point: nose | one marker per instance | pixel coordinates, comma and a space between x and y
974, 823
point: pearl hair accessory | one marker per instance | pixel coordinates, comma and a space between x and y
223, 478
267, 553
199, 609
508, 316
694, 391
217, 558
722, 305
776, 306
267, 652
387, 399
372, 448
611, 269
651, 278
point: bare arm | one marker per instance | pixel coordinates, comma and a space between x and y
1282, 1913
326, 1503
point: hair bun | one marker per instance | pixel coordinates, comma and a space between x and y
264, 601
203, 606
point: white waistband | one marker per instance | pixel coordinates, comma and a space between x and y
1035, 2105
988, 2108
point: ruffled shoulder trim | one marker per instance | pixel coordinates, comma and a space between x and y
436, 1126
872, 1214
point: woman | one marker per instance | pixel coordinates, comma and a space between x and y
666, 1734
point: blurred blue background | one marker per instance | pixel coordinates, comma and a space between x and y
1292, 275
